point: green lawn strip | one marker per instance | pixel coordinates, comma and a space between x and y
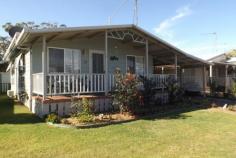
199, 133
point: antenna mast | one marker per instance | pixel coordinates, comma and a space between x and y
116, 11
215, 40
135, 18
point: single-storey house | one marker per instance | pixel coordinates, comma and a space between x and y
48, 66
223, 71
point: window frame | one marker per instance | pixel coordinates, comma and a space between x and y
63, 59
126, 62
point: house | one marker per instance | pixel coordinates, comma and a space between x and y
48, 66
4, 77
223, 71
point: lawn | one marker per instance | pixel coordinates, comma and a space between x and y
194, 133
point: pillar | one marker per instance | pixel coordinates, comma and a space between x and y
106, 64
146, 57
176, 68
44, 66
226, 78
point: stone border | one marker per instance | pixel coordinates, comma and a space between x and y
88, 125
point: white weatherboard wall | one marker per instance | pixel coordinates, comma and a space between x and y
192, 79
42, 109
64, 108
27, 77
115, 48
13, 76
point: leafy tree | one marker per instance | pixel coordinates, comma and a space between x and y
231, 54
4, 43
6, 40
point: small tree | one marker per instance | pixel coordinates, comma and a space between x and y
82, 110
125, 93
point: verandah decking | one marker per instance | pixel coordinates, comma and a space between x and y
65, 84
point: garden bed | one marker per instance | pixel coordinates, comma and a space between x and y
98, 121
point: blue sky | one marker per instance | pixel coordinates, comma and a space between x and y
187, 24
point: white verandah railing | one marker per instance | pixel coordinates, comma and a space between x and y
224, 81
59, 84
37, 83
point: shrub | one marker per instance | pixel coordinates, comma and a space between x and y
213, 86
85, 117
83, 110
126, 94
52, 118
148, 93
234, 88
175, 92
232, 107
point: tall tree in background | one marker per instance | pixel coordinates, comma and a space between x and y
231, 54
4, 43
6, 40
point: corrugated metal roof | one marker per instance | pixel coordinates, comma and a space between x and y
27, 32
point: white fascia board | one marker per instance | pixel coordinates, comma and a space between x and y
71, 29
14, 43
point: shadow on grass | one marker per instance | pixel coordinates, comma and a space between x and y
173, 112
8, 116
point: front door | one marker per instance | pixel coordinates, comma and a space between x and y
97, 64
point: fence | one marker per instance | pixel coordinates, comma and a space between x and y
4, 87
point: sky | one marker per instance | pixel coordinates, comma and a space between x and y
203, 28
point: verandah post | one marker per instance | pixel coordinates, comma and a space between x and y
204, 80
31, 79
226, 78
146, 57
106, 64
210, 73
44, 66
176, 69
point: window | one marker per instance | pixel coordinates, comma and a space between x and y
135, 64
139, 62
64, 60
68, 59
56, 60
131, 64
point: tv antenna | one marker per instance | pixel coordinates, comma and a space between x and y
135, 14
215, 40
135, 18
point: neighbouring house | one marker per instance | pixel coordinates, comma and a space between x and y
223, 71
48, 66
4, 77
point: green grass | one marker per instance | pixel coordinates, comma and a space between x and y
198, 133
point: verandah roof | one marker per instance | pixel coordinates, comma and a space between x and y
163, 52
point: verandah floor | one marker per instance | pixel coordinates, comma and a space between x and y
186, 133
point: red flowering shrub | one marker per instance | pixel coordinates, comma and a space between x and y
126, 93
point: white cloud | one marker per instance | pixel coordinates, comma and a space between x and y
164, 29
